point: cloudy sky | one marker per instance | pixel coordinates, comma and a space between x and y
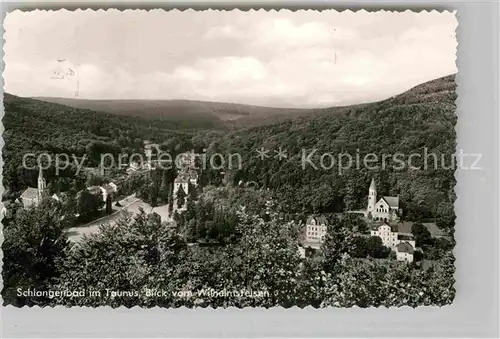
294, 59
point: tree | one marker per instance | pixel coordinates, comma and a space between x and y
109, 202
131, 255
422, 234
339, 240
445, 215
268, 260
170, 205
192, 192
181, 196
89, 205
95, 180
376, 249
35, 243
363, 283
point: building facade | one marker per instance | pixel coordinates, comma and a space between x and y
402, 244
405, 251
180, 182
387, 234
384, 209
316, 228
33, 196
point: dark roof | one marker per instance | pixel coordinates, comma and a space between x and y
405, 237
405, 247
405, 227
434, 229
393, 202
30, 193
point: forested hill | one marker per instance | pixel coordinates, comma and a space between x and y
202, 114
421, 117
197, 115
36, 126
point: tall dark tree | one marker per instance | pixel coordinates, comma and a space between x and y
422, 234
88, 205
375, 248
181, 197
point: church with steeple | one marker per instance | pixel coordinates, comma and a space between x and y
33, 196
385, 209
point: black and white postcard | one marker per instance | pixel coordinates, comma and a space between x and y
230, 159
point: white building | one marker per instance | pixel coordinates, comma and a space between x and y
113, 186
180, 182
104, 191
107, 191
33, 196
405, 251
385, 209
402, 244
390, 237
149, 147
387, 234
316, 228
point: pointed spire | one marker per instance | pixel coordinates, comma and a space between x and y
41, 183
372, 184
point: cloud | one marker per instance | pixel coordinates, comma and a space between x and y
270, 58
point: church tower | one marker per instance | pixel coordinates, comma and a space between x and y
372, 196
41, 184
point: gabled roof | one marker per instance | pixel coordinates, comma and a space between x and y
384, 201
405, 237
393, 202
405, 247
320, 219
434, 229
406, 226
30, 193
393, 227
